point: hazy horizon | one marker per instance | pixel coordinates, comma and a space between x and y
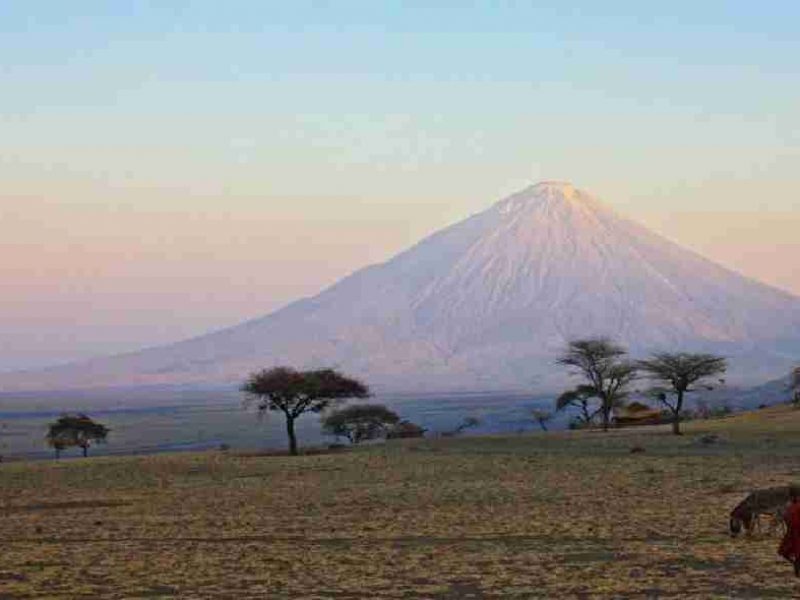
167, 171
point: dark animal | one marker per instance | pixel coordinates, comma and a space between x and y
768, 501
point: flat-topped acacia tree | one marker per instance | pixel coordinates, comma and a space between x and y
678, 372
295, 393
607, 373
75, 430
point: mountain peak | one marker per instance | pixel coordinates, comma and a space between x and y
554, 184
556, 190
488, 303
547, 193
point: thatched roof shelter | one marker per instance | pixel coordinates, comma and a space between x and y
406, 429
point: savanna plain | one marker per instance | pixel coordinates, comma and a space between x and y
549, 515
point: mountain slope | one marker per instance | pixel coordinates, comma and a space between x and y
486, 304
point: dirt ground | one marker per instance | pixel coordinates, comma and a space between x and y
528, 516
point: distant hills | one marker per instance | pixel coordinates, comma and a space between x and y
486, 304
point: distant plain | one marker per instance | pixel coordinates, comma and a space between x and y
209, 421
565, 514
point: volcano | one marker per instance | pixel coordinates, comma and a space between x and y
487, 304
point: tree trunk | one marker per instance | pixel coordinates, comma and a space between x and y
292, 436
585, 409
606, 415
676, 415
676, 423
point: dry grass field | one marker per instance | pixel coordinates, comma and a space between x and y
529, 516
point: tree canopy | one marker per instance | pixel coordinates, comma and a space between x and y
360, 422
600, 362
579, 397
678, 373
296, 392
75, 430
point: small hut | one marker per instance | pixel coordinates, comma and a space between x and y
637, 413
405, 429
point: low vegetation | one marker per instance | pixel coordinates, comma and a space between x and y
466, 424
552, 515
360, 422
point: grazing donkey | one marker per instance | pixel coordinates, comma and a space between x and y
768, 501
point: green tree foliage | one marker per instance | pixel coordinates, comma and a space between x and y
607, 373
75, 430
581, 397
295, 393
360, 422
680, 373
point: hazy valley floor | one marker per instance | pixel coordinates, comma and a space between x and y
526, 516
178, 424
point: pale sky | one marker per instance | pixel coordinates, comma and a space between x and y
170, 170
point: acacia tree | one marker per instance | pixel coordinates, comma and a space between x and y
679, 372
541, 417
600, 361
360, 422
295, 393
75, 430
580, 398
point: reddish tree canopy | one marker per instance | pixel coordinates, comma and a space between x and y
296, 392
